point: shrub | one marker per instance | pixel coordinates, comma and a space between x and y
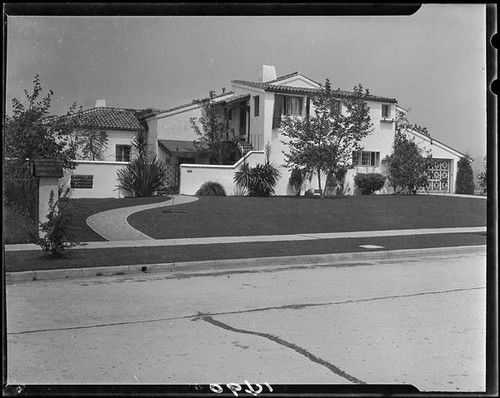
465, 178
142, 176
369, 183
56, 235
296, 180
309, 193
259, 180
407, 165
482, 179
211, 188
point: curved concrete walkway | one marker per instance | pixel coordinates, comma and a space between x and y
112, 224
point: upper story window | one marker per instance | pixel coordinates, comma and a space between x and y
293, 106
256, 105
385, 111
123, 153
366, 158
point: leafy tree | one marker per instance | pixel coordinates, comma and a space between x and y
92, 143
32, 133
482, 177
215, 137
323, 141
407, 165
465, 178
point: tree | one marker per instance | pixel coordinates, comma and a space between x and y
322, 142
92, 143
32, 133
215, 137
465, 178
407, 165
482, 177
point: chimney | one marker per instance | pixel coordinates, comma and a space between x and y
223, 90
100, 103
267, 73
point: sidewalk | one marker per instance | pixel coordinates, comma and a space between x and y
149, 242
112, 224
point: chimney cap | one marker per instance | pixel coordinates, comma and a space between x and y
100, 103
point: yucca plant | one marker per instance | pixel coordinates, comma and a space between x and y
142, 176
259, 180
211, 188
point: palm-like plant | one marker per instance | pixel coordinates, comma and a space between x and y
143, 175
259, 180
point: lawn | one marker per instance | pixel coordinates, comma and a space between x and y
239, 216
16, 232
87, 258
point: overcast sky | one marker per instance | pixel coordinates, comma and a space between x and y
433, 62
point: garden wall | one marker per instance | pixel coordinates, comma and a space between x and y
93, 179
192, 176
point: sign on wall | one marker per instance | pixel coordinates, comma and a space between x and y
82, 181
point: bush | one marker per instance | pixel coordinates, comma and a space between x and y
407, 165
56, 236
296, 180
309, 193
369, 183
142, 176
211, 188
465, 178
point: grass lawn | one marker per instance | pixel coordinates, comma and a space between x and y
16, 228
83, 208
239, 216
87, 258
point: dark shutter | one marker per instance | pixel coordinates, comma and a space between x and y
308, 106
278, 106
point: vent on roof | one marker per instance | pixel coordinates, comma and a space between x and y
100, 103
267, 73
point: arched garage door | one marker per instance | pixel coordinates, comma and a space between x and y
439, 175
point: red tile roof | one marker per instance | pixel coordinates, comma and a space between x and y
272, 86
111, 118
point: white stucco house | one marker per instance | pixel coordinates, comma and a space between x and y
254, 109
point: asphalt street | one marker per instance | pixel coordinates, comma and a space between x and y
417, 320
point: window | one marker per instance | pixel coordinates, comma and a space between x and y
123, 153
256, 101
366, 158
293, 106
385, 110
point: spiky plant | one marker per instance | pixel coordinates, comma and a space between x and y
142, 176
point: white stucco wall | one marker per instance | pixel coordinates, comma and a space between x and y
115, 137
104, 179
192, 176
175, 125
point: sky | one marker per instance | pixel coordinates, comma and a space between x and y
433, 62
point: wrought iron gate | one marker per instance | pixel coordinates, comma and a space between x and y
20, 195
439, 176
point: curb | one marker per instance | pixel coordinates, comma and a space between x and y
239, 264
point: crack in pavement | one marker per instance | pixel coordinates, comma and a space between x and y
280, 307
300, 350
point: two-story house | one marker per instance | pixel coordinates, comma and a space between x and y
254, 110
